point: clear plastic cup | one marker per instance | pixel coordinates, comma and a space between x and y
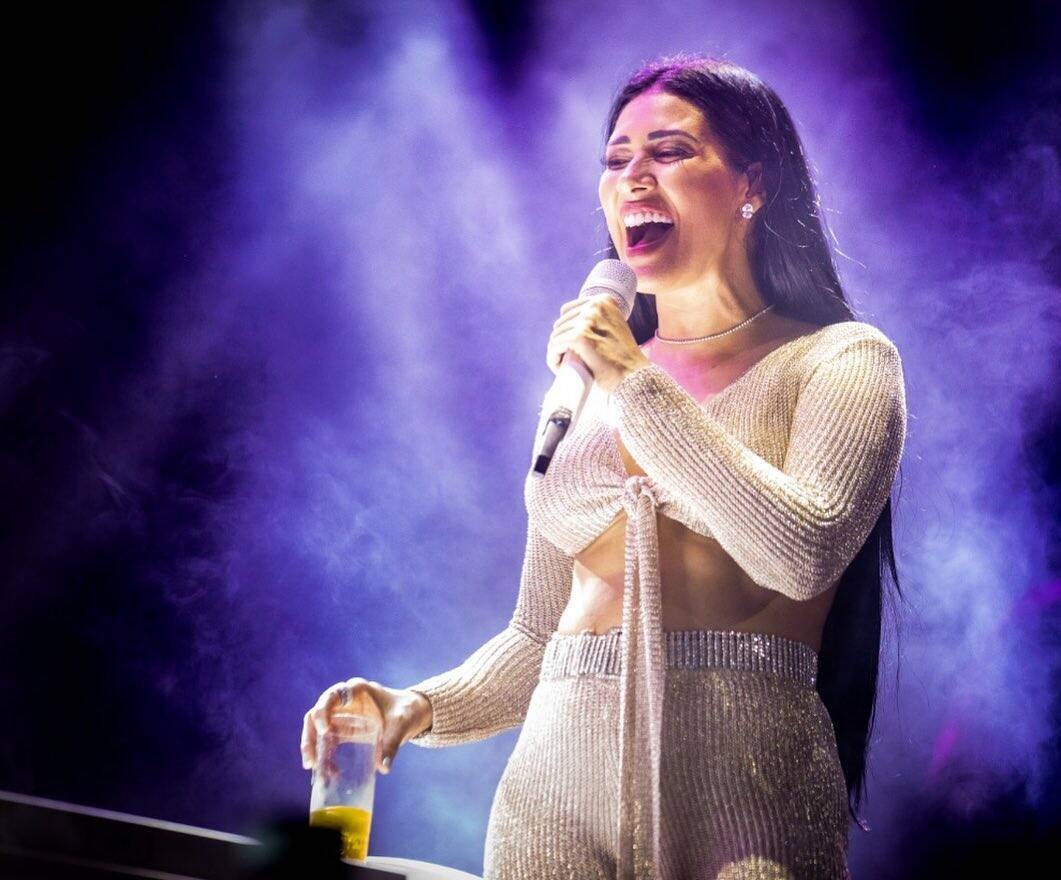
344, 779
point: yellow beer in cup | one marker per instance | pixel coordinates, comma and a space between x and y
344, 777
353, 822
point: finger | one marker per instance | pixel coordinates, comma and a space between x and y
580, 325
601, 311
308, 744
568, 339
385, 752
337, 695
391, 739
320, 714
569, 314
591, 319
388, 747
328, 768
558, 348
581, 329
602, 302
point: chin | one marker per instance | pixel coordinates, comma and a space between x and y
650, 270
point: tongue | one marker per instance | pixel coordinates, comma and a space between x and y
653, 232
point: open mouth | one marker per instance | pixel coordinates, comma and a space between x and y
647, 234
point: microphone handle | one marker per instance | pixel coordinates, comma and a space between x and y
573, 381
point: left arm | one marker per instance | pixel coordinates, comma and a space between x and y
796, 528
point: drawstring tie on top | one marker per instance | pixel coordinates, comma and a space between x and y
642, 682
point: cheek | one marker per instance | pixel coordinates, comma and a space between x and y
606, 196
605, 190
703, 199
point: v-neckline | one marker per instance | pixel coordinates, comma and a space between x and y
705, 405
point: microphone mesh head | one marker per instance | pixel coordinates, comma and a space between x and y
613, 277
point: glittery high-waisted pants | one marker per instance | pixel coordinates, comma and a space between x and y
751, 783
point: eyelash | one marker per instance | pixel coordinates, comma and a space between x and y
680, 154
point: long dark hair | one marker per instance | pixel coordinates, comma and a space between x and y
792, 265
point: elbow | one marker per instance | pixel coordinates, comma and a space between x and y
534, 635
818, 571
799, 582
809, 587
805, 588
823, 563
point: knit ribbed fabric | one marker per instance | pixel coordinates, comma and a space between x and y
751, 786
788, 468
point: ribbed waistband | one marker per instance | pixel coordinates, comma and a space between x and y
568, 654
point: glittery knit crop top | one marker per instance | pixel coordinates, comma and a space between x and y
788, 468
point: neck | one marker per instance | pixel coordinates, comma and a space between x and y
712, 305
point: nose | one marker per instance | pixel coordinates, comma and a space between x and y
636, 175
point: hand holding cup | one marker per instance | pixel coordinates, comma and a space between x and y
401, 713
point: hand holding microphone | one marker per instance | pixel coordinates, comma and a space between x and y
594, 333
591, 341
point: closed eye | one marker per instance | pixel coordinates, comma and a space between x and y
667, 155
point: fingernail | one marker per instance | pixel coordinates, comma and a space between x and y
386, 764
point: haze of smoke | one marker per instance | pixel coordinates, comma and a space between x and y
406, 238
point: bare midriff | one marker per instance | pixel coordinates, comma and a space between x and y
701, 586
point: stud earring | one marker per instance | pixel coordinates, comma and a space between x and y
746, 210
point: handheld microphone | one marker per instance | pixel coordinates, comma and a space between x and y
563, 402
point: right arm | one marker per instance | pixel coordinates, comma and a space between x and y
490, 691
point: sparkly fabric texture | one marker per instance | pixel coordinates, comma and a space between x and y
751, 785
788, 468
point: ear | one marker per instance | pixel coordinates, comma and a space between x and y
754, 193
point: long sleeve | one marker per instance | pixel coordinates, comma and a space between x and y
796, 528
490, 691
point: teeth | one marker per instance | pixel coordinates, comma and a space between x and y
642, 218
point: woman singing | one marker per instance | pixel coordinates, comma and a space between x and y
694, 648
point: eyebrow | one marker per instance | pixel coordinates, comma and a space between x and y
653, 135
